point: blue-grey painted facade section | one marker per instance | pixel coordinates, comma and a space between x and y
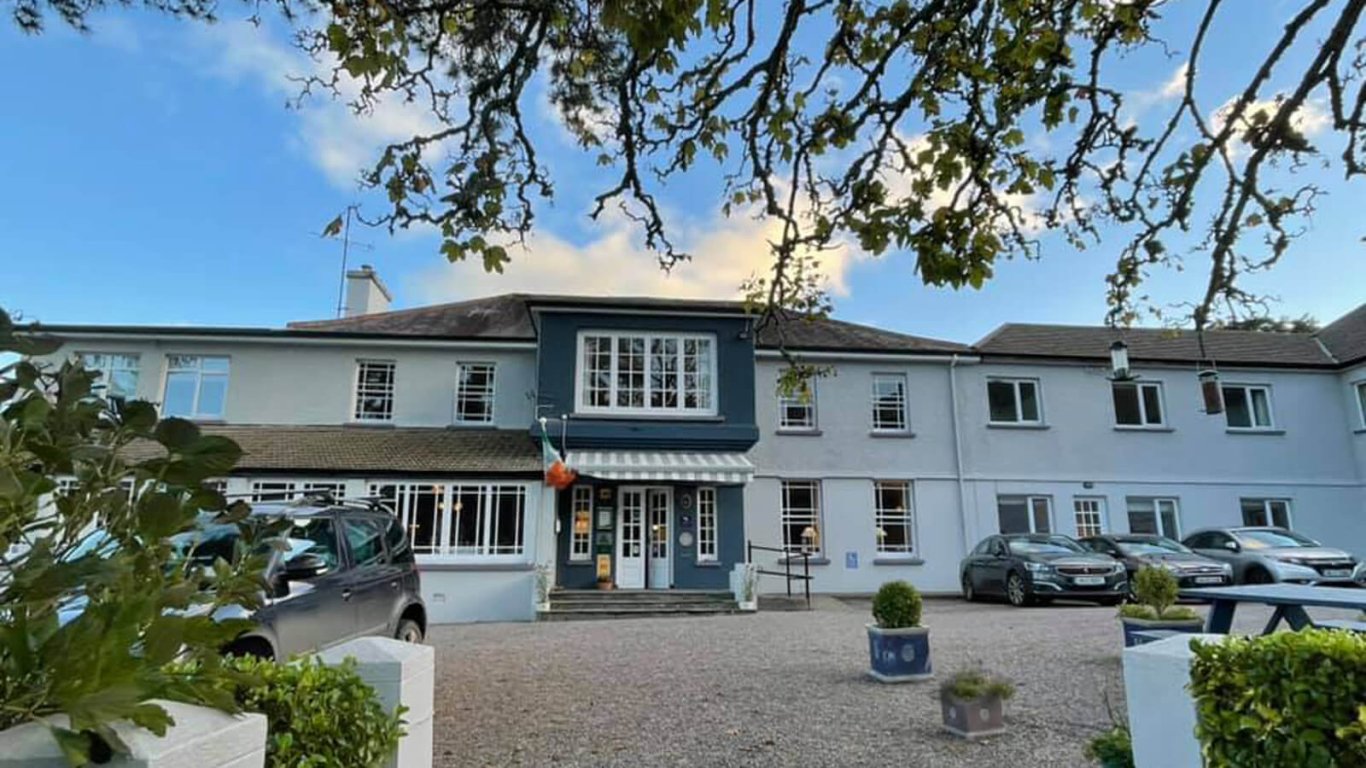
731, 429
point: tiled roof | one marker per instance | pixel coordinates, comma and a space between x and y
1156, 345
508, 317
374, 449
1346, 336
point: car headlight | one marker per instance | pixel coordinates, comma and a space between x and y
1038, 567
1293, 560
1228, 569
1169, 567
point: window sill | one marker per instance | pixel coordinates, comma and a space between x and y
884, 560
707, 564
370, 424
671, 417
797, 561
797, 432
472, 425
208, 422
1237, 431
891, 433
1361, 431
447, 565
573, 562
1009, 425
1134, 428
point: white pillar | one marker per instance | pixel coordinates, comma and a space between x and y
201, 738
401, 673
1161, 710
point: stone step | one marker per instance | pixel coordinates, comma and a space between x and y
633, 612
640, 598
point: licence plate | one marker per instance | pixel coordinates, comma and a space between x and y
1337, 573
1209, 579
1089, 581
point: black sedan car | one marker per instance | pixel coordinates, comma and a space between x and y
1136, 550
1028, 568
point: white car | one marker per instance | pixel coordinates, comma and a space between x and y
1264, 555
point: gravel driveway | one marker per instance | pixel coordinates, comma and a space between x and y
770, 689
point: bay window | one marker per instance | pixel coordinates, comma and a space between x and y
646, 373
462, 521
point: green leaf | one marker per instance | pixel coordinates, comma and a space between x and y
176, 433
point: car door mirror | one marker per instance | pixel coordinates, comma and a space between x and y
1232, 546
304, 567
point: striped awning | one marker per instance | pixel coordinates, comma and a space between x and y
671, 466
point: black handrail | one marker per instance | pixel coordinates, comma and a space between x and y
786, 572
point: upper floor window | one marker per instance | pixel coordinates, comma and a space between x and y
196, 387
797, 409
581, 522
1138, 405
1014, 401
1247, 406
1158, 516
118, 372
889, 402
374, 390
474, 393
647, 373
1266, 512
1361, 401
892, 517
1024, 514
706, 525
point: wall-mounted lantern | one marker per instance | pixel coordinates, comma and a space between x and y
1119, 362
1210, 390
809, 537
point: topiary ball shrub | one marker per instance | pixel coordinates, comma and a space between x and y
1291, 698
1156, 590
319, 716
897, 605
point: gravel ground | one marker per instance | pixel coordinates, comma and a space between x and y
770, 689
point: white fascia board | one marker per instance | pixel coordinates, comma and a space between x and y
348, 341
874, 357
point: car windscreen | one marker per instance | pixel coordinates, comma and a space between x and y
1044, 546
1267, 539
1140, 547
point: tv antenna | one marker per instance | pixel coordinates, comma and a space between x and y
342, 225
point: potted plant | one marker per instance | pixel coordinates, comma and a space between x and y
1112, 749
604, 581
1156, 591
972, 703
898, 647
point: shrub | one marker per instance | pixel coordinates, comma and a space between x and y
897, 605
1112, 749
1291, 698
972, 684
319, 716
1156, 590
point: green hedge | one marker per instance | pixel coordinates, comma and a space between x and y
1292, 698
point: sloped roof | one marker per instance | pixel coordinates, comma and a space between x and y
509, 317
1346, 336
1260, 348
373, 449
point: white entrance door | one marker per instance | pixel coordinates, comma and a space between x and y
631, 539
658, 501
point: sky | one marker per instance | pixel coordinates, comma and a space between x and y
151, 173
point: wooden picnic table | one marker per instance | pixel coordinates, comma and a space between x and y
1289, 600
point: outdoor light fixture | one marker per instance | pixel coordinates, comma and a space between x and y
809, 535
1119, 362
1210, 391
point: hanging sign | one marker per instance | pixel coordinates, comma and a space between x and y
604, 566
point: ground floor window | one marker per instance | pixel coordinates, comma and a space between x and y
286, 490
801, 515
1155, 516
1090, 516
459, 520
581, 522
893, 517
1266, 512
1024, 514
706, 525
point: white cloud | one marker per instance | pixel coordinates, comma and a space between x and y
1176, 84
1310, 119
338, 141
725, 253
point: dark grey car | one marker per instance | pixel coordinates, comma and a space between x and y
349, 572
1028, 568
1137, 550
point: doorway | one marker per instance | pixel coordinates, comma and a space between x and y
644, 557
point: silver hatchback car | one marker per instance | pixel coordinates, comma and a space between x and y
1266, 554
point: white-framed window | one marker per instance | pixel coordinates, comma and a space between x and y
1361, 401
1266, 512
1160, 516
801, 515
893, 517
1024, 514
706, 525
118, 372
797, 409
374, 390
287, 490
1248, 406
646, 373
1138, 404
581, 522
474, 393
196, 387
464, 521
889, 402
1014, 401
1089, 514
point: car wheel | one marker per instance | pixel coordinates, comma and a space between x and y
968, 593
1016, 592
409, 631
1257, 576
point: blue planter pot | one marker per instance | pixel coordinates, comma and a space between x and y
1133, 628
899, 655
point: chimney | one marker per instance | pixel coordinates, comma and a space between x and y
365, 293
